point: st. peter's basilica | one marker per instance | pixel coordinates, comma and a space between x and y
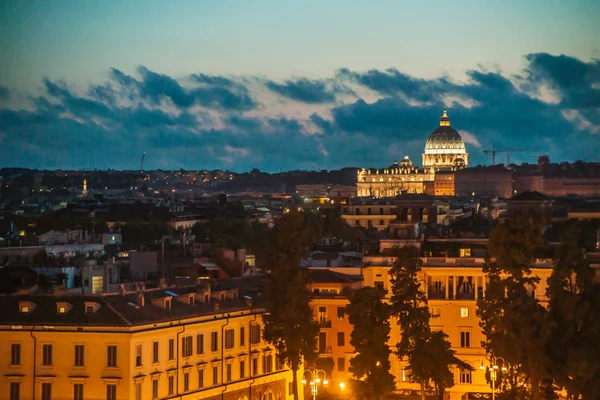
444, 152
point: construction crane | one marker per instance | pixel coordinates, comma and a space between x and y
494, 150
142, 164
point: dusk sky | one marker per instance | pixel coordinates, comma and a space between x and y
281, 85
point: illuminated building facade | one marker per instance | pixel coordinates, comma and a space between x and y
185, 343
444, 152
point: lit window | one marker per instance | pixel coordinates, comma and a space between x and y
464, 312
24, 309
61, 310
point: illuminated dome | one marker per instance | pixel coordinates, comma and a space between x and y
444, 147
406, 162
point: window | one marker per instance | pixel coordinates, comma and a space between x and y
357, 222
379, 284
111, 391
229, 338
322, 342
47, 354
405, 375
15, 354
154, 352
341, 364
214, 341
200, 344
46, 391
192, 300
436, 312
155, 388
15, 391
186, 381
228, 372
465, 339
171, 349
291, 388
242, 369
89, 309
138, 391
168, 304
62, 310
171, 384
381, 222
242, 336
278, 364
111, 356
254, 366
465, 376
24, 309
341, 339
200, 378
138, 355
465, 252
267, 364
255, 334
79, 351
186, 346
215, 375
341, 312
464, 312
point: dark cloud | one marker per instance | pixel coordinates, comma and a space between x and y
112, 123
4, 93
303, 90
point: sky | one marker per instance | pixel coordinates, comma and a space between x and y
285, 85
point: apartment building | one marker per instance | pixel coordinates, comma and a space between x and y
166, 343
452, 285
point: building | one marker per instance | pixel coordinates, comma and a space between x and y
444, 152
495, 180
452, 286
392, 181
445, 149
179, 342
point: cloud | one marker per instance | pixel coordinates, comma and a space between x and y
353, 118
303, 90
4, 93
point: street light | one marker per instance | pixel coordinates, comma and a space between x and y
314, 380
493, 368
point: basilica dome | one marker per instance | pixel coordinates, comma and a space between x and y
444, 146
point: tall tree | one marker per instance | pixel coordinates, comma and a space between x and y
289, 322
369, 316
574, 317
429, 354
511, 318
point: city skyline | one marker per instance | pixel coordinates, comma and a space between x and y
202, 86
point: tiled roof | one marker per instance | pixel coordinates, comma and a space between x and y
123, 309
328, 276
529, 196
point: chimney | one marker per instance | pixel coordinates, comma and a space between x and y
122, 290
141, 299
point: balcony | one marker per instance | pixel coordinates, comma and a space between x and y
324, 323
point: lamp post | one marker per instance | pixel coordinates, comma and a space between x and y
493, 368
314, 380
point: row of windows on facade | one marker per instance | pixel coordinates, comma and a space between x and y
78, 388
111, 358
46, 391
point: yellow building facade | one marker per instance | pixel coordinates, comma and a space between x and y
183, 343
453, 286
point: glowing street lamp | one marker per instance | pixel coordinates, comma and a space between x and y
493, 368
315, 380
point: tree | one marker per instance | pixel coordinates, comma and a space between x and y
429, 354
574, 319
511, 318
369, 316
289, 323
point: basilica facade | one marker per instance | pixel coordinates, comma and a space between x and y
444, 152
